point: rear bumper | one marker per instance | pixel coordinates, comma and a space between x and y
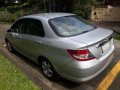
81, 72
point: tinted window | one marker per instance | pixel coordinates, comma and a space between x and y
35, 28
70, 25
29, 26
20, 27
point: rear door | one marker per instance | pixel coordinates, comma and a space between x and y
32, 39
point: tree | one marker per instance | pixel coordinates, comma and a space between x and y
83, 7
80, 7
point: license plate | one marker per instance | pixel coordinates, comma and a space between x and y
106, 46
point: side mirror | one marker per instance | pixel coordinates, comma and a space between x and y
9, 30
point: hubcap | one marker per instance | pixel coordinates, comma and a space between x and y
46, 67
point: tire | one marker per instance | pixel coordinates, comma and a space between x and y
9, 47
48, 70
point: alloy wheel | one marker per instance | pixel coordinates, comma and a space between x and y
47, 69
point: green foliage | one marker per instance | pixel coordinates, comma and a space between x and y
34, 1
13, 79
83, 7
79, 7
7, 17
2, 9
117, 36
15, 8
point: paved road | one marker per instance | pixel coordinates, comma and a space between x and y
115, 26
34, 73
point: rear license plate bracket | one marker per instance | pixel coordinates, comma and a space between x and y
106, 46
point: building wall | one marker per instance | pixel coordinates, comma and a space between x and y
108, 13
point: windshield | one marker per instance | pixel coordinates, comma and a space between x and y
70, 25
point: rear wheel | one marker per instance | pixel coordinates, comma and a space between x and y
48, 70
10, 48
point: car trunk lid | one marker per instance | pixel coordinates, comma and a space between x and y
98, 40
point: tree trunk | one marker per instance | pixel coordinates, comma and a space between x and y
45, 6
49, 5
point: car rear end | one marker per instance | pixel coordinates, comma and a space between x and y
87, 62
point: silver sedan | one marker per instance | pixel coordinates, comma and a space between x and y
63, 44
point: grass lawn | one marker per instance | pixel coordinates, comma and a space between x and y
12, 78
116, 36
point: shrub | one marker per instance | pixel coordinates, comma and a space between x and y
15, 8
2, 9
7, 17
83, 7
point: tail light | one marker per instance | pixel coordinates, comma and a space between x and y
81, 55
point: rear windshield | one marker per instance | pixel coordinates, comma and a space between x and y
70, 25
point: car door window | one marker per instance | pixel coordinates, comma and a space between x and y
35, 28
23, 28
15, 27
29, 26
19, 27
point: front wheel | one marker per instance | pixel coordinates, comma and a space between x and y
10, 48
48, 70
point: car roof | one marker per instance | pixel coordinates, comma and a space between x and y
48, 15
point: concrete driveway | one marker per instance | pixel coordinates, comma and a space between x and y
33, 71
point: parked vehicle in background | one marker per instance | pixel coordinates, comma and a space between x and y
62, 44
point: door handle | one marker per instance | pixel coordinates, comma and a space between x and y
39, 42
18, 37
